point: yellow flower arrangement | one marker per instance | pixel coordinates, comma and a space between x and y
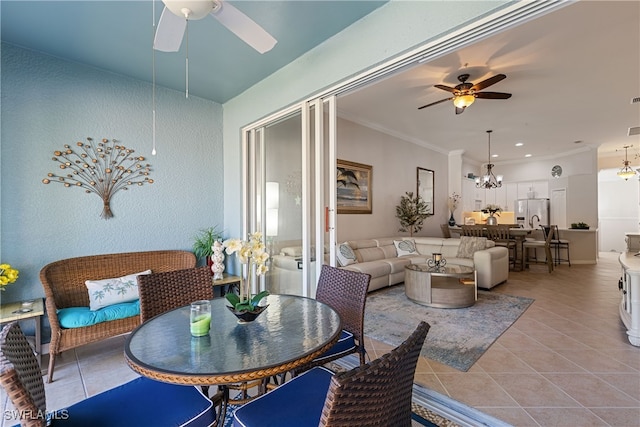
7, 275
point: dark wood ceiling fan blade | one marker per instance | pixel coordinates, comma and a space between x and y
447, 88
460, 110
488, 82
434, 103
493, 95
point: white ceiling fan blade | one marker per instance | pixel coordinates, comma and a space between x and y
244, 27
170, 31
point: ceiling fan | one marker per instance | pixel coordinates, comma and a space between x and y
466, 93
176, 13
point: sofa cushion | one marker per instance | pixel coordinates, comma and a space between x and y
469, 245
345, 255
78, 317
397, 264
405, 247
106, 292
374, 268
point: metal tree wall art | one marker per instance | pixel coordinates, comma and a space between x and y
102, 168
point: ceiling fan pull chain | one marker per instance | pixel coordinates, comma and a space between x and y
153, 80
187, 62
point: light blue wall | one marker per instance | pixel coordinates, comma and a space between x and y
387, 32
47, 103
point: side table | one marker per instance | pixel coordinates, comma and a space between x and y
226, 280
23, 310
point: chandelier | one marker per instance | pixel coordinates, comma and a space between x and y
626, 172
489, 180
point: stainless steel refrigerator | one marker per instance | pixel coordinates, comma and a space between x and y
532, 213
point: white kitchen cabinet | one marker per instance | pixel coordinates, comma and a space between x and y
511, 195
540, 188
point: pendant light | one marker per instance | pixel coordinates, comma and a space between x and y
489, 180
626, 172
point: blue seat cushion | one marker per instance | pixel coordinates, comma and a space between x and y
78, 317
141, 402
346, 344
296, 403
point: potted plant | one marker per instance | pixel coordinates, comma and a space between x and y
492, 210
252, 253
411, 212
579, 226
203, 243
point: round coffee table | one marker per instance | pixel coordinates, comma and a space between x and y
451, 286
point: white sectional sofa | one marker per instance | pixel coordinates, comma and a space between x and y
379, 258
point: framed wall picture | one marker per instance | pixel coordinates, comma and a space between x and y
353, 188
425, 188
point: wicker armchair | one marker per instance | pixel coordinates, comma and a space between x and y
376, 394
161, 292
139, 402
64, 286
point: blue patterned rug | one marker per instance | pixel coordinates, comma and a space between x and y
458, 337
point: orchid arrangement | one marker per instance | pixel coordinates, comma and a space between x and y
252, 253
453, 201
8, 275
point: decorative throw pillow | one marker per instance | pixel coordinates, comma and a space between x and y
469, 245
345, 255
405, 247
105, 292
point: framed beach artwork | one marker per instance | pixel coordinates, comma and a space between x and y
353, 188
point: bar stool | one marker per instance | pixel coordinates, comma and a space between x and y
557, 244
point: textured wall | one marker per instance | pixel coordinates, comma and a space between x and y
47, 103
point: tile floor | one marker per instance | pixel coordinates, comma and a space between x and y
565, 362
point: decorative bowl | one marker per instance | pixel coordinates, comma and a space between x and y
247, 316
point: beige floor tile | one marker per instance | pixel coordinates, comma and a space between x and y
476, 390
591, 391
565, 417
595, 361
533, 390
500, 359
546, 361
619, 417
627, 383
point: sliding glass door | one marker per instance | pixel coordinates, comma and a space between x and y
286, 193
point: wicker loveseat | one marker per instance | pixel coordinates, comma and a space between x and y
64, 287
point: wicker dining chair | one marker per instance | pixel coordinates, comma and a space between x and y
161, 292
346, 292
141, 401
376, 394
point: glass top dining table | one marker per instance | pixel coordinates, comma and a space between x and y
291, 332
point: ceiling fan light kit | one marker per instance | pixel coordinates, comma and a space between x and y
489, 180
626, 172
466, 93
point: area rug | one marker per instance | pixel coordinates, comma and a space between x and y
458, 337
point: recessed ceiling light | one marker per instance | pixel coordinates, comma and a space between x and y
519, 144
494, 155
527, 155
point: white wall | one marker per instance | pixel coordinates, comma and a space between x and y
394, 163
617, 209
